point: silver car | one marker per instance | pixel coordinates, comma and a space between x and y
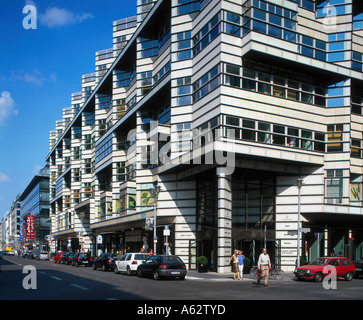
42, 256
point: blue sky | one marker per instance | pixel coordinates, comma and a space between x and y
39, 70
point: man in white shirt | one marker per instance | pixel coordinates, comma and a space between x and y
264, 266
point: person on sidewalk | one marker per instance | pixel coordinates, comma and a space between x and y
234, 259
240, 264
264, 266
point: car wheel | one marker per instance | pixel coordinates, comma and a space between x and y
348, 276
182, 278
94, 266
104, 268
318, 277
115, 270
128, 271
139, 273
156, 275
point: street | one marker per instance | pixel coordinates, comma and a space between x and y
64, 282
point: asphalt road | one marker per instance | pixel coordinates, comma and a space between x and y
64, 282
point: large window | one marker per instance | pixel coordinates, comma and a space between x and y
270, 84
253, 200
334, 186
206, 84
272, 133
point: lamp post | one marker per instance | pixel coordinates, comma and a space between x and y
299, 183
155, 193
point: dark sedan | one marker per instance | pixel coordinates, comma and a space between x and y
160, 266
67, 257
82, 259
358, 268
106, 261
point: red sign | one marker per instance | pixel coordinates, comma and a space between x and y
30, 227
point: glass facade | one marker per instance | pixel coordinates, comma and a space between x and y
36, 202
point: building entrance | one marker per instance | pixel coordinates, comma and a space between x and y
253, 248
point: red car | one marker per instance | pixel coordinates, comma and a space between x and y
321, 267
58, 256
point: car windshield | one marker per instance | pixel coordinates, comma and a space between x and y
172, 260
319, 262
141, 256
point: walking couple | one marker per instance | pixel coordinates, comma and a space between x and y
237, 265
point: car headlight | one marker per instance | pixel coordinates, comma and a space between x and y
308, 271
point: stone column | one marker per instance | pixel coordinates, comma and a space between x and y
224, 220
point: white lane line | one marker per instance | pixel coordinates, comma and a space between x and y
78, 286
56, 278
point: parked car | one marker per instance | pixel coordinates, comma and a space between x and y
321, 267
1, 254
42, 255
129, 262
160, 266
358, 267
67, 257
105, 261
58, 257
33, 254
82, 259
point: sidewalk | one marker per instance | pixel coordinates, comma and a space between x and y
214, 276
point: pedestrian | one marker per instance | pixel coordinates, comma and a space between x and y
151, 252
240, 264
264, 266
234, 260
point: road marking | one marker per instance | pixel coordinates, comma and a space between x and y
56, 278
78, 286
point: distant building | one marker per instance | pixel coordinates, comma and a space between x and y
35, 202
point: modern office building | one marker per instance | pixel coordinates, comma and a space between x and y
34, 208
226, 106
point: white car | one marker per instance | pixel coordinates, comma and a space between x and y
128, 263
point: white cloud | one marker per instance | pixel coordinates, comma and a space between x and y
3, 177
34, 77
7, 108
56, 17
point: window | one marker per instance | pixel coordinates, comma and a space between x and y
206, 83
207, 34
334, 186
355, 149
335, 137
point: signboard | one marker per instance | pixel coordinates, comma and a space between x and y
30, 227
149, 224
166, 231
99, 239
21, 230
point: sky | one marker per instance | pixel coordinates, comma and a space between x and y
43, 55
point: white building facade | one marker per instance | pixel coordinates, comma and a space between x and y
224, 105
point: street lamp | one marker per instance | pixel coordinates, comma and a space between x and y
299, 183
155, 193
